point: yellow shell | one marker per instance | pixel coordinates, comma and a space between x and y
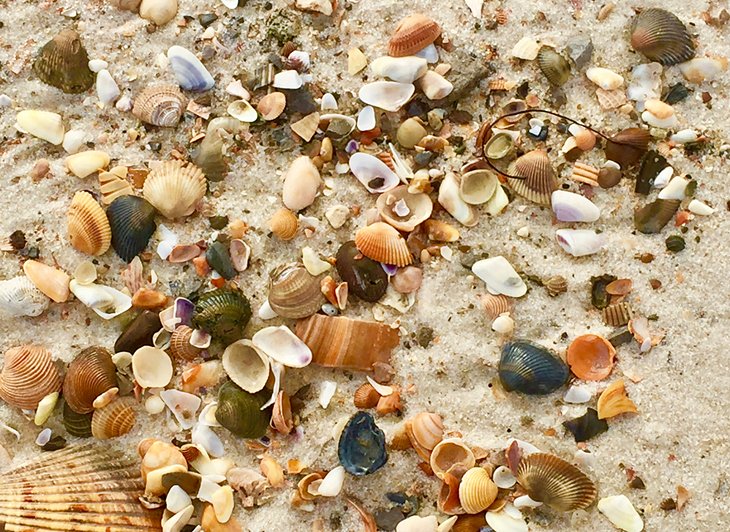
88, 226
476, 490
383, 243
614, 401
180, 346
449, 455
114, 420
284, 224
49, 280
440, 231
160, 105
28, 376
539, 177
174, 188
63, 63
89, 375
555, 482
425, 431
413, 34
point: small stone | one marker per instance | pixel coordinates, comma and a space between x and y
206, 19
580, 50
675, 243
365, 277
337, 215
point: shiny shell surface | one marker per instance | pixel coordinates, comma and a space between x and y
132, 223
555, 482
88, 226
89, 374
174, 188
180, 346
365, 277
531, 369
49, 280
115, 419
28, 375
553, 65
361, 448
476, 490
450, 455
402, 209
63, 63
294, 292
425, 430
240, 411
660, 36
224, 313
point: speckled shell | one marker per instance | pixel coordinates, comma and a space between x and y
553, 65
89, 375
28, 375
540, 180
132, 222
63, 63
476, 490
413, 34
555, 482
425, 431
383, 243
530, 368
160, 105
224, 313
660, 36
284, 224
88, 227
294, 292
77, 425
174, 188
114, 420
180, 346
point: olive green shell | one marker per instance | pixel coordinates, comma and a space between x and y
223, 313
652, 217
63, 63
240, 411
78, 425
553, 65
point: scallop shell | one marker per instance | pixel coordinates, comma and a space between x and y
114, 420
246, 365
555, 482
591, 357
294, 292
284, 224
20, 297
175, 188
412, 35
240, 411
529, 368
77, 425
660, 36
88, 227
79, 488
553, 65
160, 105
89, 375
425, 431
132, 223
340, 342
415, 208
617, 315
652, 217
614, 401
383, 243
180, 346
28, 375
476, 490
540, 180
224, 313
628, 146
494, 305
450, 456
63, 63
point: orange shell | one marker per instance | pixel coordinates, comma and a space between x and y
284, 224
383, 243
591, 357
28, 376
88, 226
496, 305
425, 431
366, 396
614, 401
89, 375
49, 280
412, 35
115, 419
180, 346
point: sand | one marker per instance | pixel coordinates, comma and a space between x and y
679, 436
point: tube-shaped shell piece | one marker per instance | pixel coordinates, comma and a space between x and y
28, 375
49, 280
555, 482
294, 292
160, 105
450, 455
383, 243
89, 375
88, 227
114, 420
539, 177
412, 35
174, 188
661, 36
476, 490
63, 63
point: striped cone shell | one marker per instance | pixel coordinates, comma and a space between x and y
28, 376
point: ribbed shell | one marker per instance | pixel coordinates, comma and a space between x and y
617, 314
476, 490
174, 188
556, 285
20, 297
413, 34
284, 224
77, 425
88, 227
530, 368
496, 305
63, 63
112, 186
132, 222
614, 401
180, 346
223, 313
383, 243
652, 217
540, 180
240, 411
89, 375
628, 146
366, 396
553, 65
425, 431
555, 482
87, 488
28, 375
114, 420
660, 36
160, 105
294, 292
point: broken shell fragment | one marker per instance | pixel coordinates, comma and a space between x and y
622, 514
450, 455
450, 199
425, 431
555, 482
28, 375
591, 357
174, 188
614, 401
361, 447
402, 69
660, 36
294, 292
607, 79
85, 163
476, 490
383, 243
539, 180
63, 63
160, 105
500, 276
580, 242
49, 280
272, 105
152, 367
478, 186
373, 173
434, 85
703, 69
282, 346
386, 95
88, 227
20, 297
529, 368
246, 365
412, 35
42, 124
652, 217
404, 210
114, 420
301, 184
113, 184
190, 73
628, 146
572, 207
243, 111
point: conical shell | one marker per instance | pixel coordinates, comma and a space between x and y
63, 63
223, 313
160, 105
49, 280
175, 188
383, 243
180, 346
555, 482
451, 455
284, 224
77, 425
89, 375
114, 420
88, 227
132, 223
425, 431
476, 490
553, 65
78, 489
294, 292
412, 35
20, 297
28, 375
540, 180
628, 146
661, 36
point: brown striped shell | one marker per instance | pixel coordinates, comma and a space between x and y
160, 105
294, 292
88, 227
556, 285
660, 36
617, 315
174, 188
383, 243
539, 177
28, 375
89, 375
413, 34
555, 482
114, 420
494, 305
180, 346
628, 146
366, 396
284, 224
63, 63
425, 431
476, 490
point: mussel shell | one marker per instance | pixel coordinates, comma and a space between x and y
553, 65
132, 220
63, 63
361, 448
219, 259
628, 146
139, 332
77, 425
529, 368
365, 277
600, 298
652, 217
240, 411
587, 426
555, 482
660, 36
294, 292
224, 313
89, 375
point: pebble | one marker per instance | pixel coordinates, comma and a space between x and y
124, 104
580, 50
97, 65
5, 100
684, 136
337, 215
503, 324
523, 231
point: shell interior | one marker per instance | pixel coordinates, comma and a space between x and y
555, 482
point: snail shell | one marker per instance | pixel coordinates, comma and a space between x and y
555, 482
240, 411
114, 420
89, 375
160, 105
88, 227
294, 292
224, 313
28, 376
63, 63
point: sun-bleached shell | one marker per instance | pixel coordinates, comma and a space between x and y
434, 85
476, 490
500, 276
42, 124
246, 365
191, 74
283, 346
160, 105
183, 406
158, 11
113, 184
107, 89
271, 105
412, 34
572, 207
105, 301
20, 297
88, 226
404, 210
622, 514
301, 184
539, 177
478, 186
28, 375
152, 367
703, 69
85, 163
114, 420
386, 95
555, 482
526, 48
580, 242
383, 243
174, 188
402, 69
373, 173
606, 79
243, 111
89, 374
450, 199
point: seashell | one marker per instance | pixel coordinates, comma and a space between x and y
539, 177
42, 124
160, 105
383, 243
240, 412
606, 79
622, 514
243, 111
553, 66
366, 396
28, 375
478, 186
572, 207
306, 127
365, 277
410, 132
425, 431
87, 162
224, 313
183, 406
63, 63
132, 223
114, 420
609, 176
190, 73
89, 374
675, 189
499, 146
500, 276
451, 456
495, 305
529, 368
610, 99
218, 257
271, 106
555, 482
703, 69
158, 11
412, 35
88, 227
174, 188
287, 79
282, 346
700, 208
580, 242
401, 69
180, 346
617, 315
652, 217
138, 333
584, 173
660, 36
614, 401
246, 365
126, 5
301, 184
373, 173
556, 285
591, 357
434, 86
340, 342
526, 48
284, 224
209, 155
450, 199
476, 490
152, 367
294, 292
404, 210
49, 280
77, 425
107, 89
407, 280
628, 146
386, 95
439, 231
361, 448
281, 417
105, 301
112, 184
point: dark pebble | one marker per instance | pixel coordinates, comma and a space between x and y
365, 277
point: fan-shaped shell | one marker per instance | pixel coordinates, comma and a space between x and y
132, 222
476, 490
114, 420
451, 455
591, 357
246, 365
366, 396
425, 431
553, 65
63, 63
294, 292
174, 188
628, 146
539, 177
402, 209
89, 375
555, 482
412, 35
383, 243
530, 368
49, 280
88, 227
160, 105
494, 305
223, 313
180, 346
661, 36
77, 425
284, 224
19, 297
28, 375
240, 411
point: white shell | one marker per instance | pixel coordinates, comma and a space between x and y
497, 202
451, 200
85, 163
684, 136
664, 123
266, 312
106, 301
327, 391
577, 395
246, 365
524, 501
500, 276
158, 11
177, 500
222, 500
503, 324
366, 119
154, 404
386, 95
366, 167
526, 48
242, 110
580, 242
416, 523
73, 140
621, 513
663, 177
190, 73
204, 436
402, 69
20, 297
698, 207
178, 521
702, 69
230, 4
301, 184
283, 346
152, 367
503, 477
183, 405
478, 186
646, 83
328, 103
430, 53
506, 521
313, 264
288, 79
675, 189
42, 124
106, 88
434, 85
332, 482
97, 65
572, 207
606, 79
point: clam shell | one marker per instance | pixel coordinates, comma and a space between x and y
415, 208
152, 367
478, 186
340, 342
361, 448
28, 375
494, 305
175, 188
42, 124
386, 95
114, 420
425, 431
614, 401
366, 396
272, 105
113, 184
555, 482
89, 375
132, 222
282, 346
243, 111
622, 514
591, 357
246, 365
572, 207
383, 243
500, 276
240, 412
449, 456
580, 242
88, 227
499, 146
224, 313
20, 297
412, 35
85, 163
301, 184
284, 224
531, 369
450, 199
628, 146
660, 36
190, 73
476, 490
553, 65
77, 425
540, 180
63, 63
160, 105
180, 346
652, 217
402, 69
373, 173
294, 292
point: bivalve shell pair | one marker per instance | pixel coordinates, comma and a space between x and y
383, 243
89, 375
412, 35
63, 63
20, 297
240, 411
28, 375
555, 482
531, 369
114, 420
88, 226
404, 210
294, 292
661, 36
160, 105
425, 431
224, 313
174, 188
132, 223
476, 490
246, 365
539, 180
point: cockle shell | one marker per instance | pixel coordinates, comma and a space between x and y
223, 313
386, 95
530, 368
294, 292
478, 186
661, 36
88, 227
174, 188
553, 65
383, 243
49, 280
404, 210
63, 63
449, 455
425, 431
476, 490
190, 73
580, 242
500, 276
495, 305
402, 69
555, 482
181, 347
246, 365
301, 184
412, 35
89, 374
152, 367
28, 375
450, 199
132, 222
591, 357
114, 420
42, 124
539, 177
572, 207
160, 105
628, 146
373, 173
20, 297
284, 224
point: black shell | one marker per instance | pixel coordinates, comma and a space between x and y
361, 448
219, 259
240, 411
652, 217
224, 313
530, 368
132, 220
660, 36
587, 426
553, 65
651, 165
599, 296
139, 332
365, 277
78, 425
63, 63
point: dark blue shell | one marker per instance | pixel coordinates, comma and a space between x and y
132, 221
531, 369
361, 449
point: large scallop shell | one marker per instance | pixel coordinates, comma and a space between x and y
476, 490
160, 105
661, 36
530, 368
223, 313
246, 365
49, 280
425, 431
175, 188
539, 177
452, 456
63, 63
28, 376
114, 420
555, 482
20, 297
88, 227
412, 35
383, 243
89, 375
294, 292
132, 222
402, 209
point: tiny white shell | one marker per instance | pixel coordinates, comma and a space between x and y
430, 53
416, 523
500, 276
572, 207
332, 482
702, 69
154, 404
183, 405
580, 242
74, 139
664, 123
242, 110
106, 88
434, 85
283, 346
503, 324
327, 391
222, 500
178, 521
85, 163
288, 79
497, 202
367, 168
663, 177
177, 500
366, 119
313, 264
402, 69
524, 501
450, 199
698, 207
577, 395
97, 65
674, 189
301, 184
684, 136
619, 510
266, 312
526, 48
328, 103
152, 367
204, 436
386, 95
506, 521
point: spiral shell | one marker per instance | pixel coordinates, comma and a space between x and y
160, 105
63, 63
132, 223
425, 431
19, 297
383, 243
412, 35
28, 376
539, 177
661, 36
555, 482
174, 188
240, 411
114, 420
180, 346
88, 227
449, 455
89, 375
77, 425
476, 490
294, 292
284, 224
